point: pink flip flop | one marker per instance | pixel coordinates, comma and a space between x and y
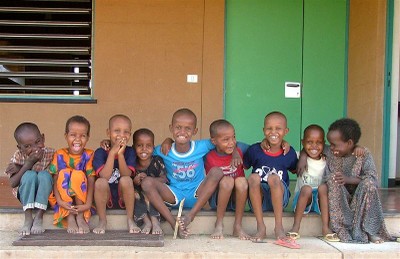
287, 242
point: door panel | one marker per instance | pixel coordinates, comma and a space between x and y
264, 49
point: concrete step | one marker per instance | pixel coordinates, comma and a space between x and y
203, 224
202, 246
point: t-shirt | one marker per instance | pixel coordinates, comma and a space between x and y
100, 158
186, 170
263, 162
63, 159
312, 177
19, 159
223, 161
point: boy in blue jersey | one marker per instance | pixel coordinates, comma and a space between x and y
269, 181
185, 173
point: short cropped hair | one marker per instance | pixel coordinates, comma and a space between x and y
313, 127
275, 113
77, 119
215, 125
349, 129
25, 126
140, 132
122, 116
184, 111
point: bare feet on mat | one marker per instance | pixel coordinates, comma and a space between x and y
133, 228
37, 227
156, 230
83, 227
101, 227
26, 228
239, 233
72, 226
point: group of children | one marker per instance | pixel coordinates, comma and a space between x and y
339, 182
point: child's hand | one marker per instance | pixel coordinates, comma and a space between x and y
35, 156
80, 208
339, 178
358, 151
166, 146
122, 146
67, 206
285, 146
105, 144
265, 145
236, 158
138, 178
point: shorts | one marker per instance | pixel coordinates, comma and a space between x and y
190, 196
266, 199
213, 201
116, 201
313, 206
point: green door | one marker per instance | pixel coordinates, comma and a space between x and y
272, 42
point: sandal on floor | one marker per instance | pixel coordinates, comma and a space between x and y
332, 237
293, 235
287, 242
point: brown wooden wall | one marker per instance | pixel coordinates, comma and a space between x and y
367, 32
142, 53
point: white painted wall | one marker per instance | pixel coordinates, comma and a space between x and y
394, 156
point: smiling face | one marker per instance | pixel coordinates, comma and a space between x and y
183, 128
77, 137
275, 129
30, 141
225, 140
339, 147
144, 146
119, 129
313, 143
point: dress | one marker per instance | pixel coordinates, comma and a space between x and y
313, 178
99, 160
73, 172
142, 207
266, 163
185, 171
355, 210
36, 184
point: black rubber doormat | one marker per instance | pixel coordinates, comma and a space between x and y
110, 238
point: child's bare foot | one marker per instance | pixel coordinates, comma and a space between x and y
218, 231
238, 232
83, 227
279, 233
72, 226
259, 236
37, 226
133, 228
375, 239
26, 228
101, 227
183, 226
156, 230
147, 225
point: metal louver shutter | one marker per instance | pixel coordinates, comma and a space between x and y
45, 48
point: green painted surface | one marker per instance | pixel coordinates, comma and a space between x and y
265, 48
325, 62
263, 51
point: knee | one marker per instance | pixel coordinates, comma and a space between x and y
241, 184
322, 189
126, 182
254, 180
29, 176
274, 181
306, 191
147, 184
45, 177
101, 184
216, 173
227, 183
